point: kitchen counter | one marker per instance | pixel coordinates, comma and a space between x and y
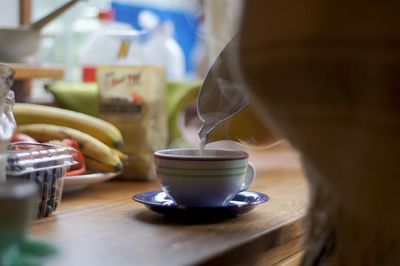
101, 225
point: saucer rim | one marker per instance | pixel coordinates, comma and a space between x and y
264, 198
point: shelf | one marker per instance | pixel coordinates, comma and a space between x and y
27, 71
24, 73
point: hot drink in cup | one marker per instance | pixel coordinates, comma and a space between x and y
209, 180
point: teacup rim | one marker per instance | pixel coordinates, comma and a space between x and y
238, 155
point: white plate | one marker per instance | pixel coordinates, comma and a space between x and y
75, 183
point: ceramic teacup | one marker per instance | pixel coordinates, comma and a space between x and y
210, 180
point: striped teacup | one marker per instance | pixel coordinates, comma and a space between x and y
210, 180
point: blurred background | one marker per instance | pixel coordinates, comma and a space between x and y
182, 36
193, 30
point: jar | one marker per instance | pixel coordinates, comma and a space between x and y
7, 122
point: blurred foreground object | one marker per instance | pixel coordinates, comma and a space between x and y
326, 77
17, 211
225, 108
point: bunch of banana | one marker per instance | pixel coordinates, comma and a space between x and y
98, 156
104, 131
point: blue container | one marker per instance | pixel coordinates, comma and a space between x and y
186, 24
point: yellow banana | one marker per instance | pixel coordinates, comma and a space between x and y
122, 156
97, 166
104, 131
90, 146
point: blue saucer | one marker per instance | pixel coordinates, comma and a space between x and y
159, 202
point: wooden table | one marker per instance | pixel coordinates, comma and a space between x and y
103, 226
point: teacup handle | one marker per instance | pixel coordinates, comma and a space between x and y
250, 175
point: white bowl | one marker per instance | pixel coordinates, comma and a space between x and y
18, 45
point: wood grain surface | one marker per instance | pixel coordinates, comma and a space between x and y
28, 72
103, 226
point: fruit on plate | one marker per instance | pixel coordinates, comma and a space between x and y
97, 166
90, 146
17, 137
80, 167
122, 156
102, 130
